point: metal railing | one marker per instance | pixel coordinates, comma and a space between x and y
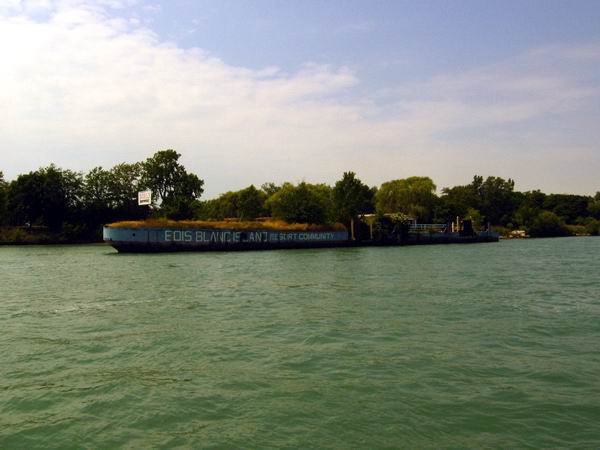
417, 227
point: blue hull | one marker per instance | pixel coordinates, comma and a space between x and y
140, 240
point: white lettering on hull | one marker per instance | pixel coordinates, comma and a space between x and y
233, 237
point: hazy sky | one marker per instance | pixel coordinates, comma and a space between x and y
255, 91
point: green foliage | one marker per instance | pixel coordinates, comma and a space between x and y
269, 188
246, 204
3, 200
66, 205
593, 227
593, 208
548, 224
475, 217
391, 226
125, 182
48, 196
496, 198
414, 196
456, 202
222, 207
303, 203
250, 203
568, 207
172, 186
351, 197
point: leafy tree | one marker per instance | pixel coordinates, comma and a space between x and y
3, 199
269, 188
325, 194
593, 227
548, 224
124, 185
48, 196
351, 197
163, 174
457, 201
222, 207
569, 207
530, 206
172, 186
496, 198
250, 203
475, 217
97, 191
414, 196
299, 204
594, 206
246, 204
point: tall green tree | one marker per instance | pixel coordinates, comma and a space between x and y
497, 201
414, 196
351, 197
97, 189
166, 177
125, 181
172, 186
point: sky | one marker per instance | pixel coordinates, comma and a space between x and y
257, 91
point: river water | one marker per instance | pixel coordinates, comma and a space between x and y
484, 345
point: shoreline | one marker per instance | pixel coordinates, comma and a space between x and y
92, 242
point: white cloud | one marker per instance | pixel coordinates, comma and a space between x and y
82, 88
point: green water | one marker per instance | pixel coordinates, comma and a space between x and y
486, 345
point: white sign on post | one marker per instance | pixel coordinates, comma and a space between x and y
144, 198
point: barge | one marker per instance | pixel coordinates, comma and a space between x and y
140, 237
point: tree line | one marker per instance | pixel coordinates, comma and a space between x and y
76, 205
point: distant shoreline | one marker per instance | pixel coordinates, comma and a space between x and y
58, 242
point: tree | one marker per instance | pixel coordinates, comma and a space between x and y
548, 224
250, 203
97, 191
351, 197
594, 206
124, 184
414, 196
475, 217
530, 206
163, 174
496, 198
269, 188
569, 207
222, 207
299, 204
3, 199
172, 186
456, 202
48, 196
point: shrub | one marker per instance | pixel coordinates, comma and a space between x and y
548, 224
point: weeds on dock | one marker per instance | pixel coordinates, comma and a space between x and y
278, 225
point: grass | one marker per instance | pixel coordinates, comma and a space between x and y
278, 225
